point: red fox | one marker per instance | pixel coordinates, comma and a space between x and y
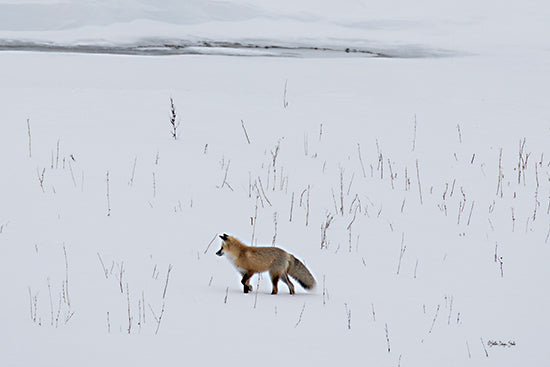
250, 260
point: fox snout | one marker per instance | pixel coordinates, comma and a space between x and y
220, 251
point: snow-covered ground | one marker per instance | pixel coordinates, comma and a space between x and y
432, 173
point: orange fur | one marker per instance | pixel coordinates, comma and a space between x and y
250, 260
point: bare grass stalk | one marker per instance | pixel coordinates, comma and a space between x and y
284, 179
522, 161
160, 316
453, 188
224, 183
401, 252
29, 133
105, 271
357, 207
275, 231
108, 197
257, 290
471, 211
485, 349
419, 184
307, 206
72, 174
174, 123
500, 174
301, 314
58, 310
41, 178
285, 102
388, 338
263, 192
154, 185
356, 203
131, 183
407, 181
245, 133
341, 190
348, 315
324, 227
451, 298
414, 135
167, 278
51, 302
274, 155
210, 243
434, 319
380, 161
350, 183
461, 206
57, 156
392, 177
121, 272
153, 312
159, 320
68, 300
143, 306
336, 205
254, 219
129, 313
291, 207
361, 160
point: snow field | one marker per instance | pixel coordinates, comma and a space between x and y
431, 271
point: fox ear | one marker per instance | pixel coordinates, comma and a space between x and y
223, 236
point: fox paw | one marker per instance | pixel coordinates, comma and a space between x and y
247, 288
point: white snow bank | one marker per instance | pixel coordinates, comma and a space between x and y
461, 27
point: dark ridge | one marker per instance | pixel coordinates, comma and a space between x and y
160, 48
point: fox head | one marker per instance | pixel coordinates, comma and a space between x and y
225, 245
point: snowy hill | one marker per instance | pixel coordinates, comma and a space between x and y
401, 29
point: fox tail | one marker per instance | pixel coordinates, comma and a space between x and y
298, 271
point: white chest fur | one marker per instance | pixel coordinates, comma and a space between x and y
233, 260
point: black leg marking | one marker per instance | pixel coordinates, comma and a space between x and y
286, 279
246, 287
274, 281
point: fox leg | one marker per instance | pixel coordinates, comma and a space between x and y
274, 281
287, 281
245, 282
